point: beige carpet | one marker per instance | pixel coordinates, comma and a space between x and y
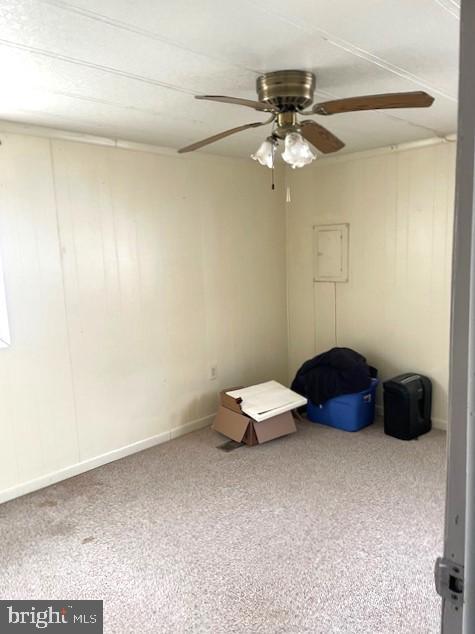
320, 532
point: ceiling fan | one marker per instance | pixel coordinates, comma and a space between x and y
285, 94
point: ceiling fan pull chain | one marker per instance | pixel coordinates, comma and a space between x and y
273, 160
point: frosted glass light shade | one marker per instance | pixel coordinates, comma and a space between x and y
265, 153
297, 151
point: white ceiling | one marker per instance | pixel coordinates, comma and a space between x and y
130, 68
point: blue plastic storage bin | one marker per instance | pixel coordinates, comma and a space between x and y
350, 412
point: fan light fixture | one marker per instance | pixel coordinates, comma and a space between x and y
265, 152
297, 152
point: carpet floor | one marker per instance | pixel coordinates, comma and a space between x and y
319, 532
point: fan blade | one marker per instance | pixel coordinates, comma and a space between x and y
222, 135
417, 99
320, 137
257, 105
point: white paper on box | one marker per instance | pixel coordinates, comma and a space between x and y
268, 399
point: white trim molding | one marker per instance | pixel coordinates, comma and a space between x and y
99, 461
14, 127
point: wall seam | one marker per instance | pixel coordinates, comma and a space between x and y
336, 321
287, 203
65, 303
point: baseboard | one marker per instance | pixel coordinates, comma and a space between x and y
98, 461
437, 423
181, 430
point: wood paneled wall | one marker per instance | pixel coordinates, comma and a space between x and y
395, 309
127, 275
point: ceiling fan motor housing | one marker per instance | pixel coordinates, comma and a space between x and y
287, 89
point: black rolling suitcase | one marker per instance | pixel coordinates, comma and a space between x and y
407, 406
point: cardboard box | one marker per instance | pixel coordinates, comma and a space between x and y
231, 421
263, 400
230, 402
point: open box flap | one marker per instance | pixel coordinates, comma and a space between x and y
231, 424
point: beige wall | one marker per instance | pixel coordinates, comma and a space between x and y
395, 307
127, 275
